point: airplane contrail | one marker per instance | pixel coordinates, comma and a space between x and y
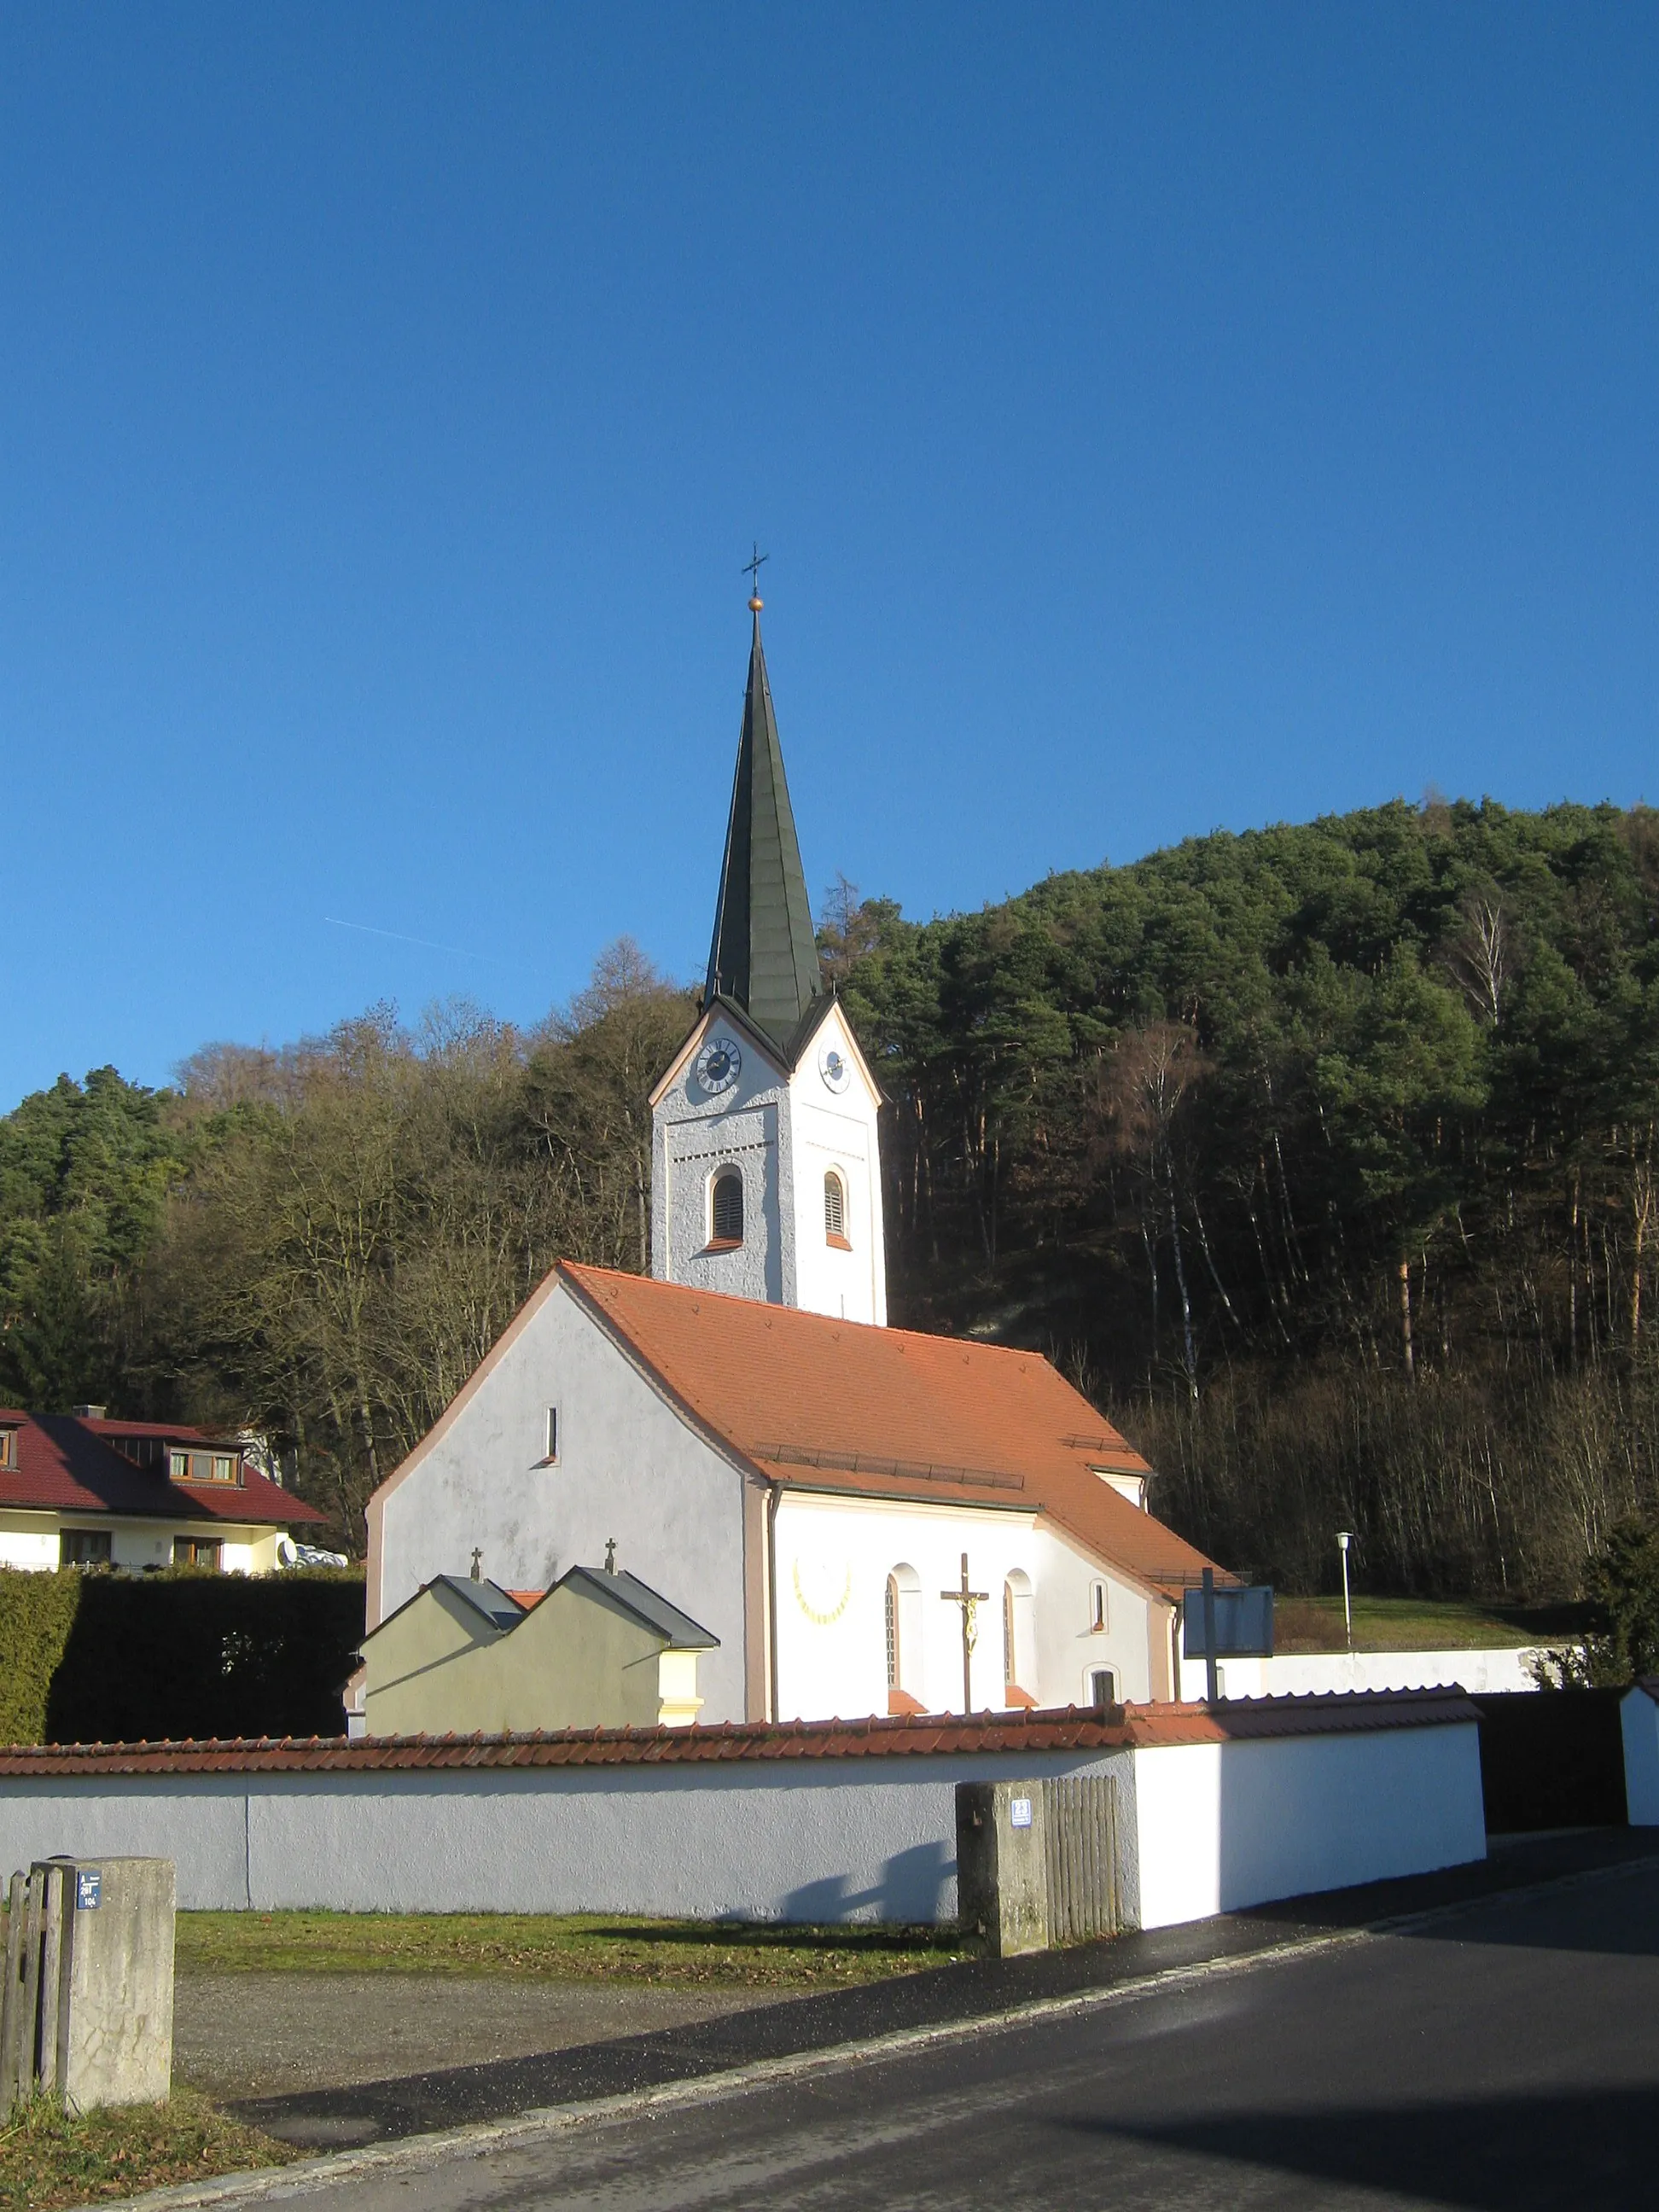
397, 937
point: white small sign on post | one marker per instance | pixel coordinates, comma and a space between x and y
1019, 1813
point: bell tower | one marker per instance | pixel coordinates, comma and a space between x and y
766, 1171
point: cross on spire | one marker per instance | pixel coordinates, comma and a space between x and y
971, 1601
751, 569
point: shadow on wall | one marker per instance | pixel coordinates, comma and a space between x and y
911, 1890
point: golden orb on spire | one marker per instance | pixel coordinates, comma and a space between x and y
755, 605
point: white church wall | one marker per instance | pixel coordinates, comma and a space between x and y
837, 1130
1069, 1646
833, 1557
627, 1466
1224, 1826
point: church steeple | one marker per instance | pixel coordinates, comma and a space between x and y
763, 955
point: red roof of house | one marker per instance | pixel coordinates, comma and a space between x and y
69, 1465
821, 1404
1120, 1728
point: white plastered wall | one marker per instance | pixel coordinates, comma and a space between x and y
31, 1541
1202, 1828
1224, 1826
832, 1559
1317, 1674
628, 1467
837, 1131
693, 1136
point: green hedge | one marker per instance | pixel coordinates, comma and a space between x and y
101, 1658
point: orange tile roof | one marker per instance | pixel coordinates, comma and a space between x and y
1071, 1729
884, 1412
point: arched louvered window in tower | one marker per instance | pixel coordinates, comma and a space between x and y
726, 1208
834, 1210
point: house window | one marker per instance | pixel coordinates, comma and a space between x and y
834, 1211
224, 1467
8, 1448
196, 1552
1099, 1619
550, 1457
726, 1208
84, 1547
1102, 1687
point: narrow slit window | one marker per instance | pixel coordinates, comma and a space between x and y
1098, 1620
725, 1210
835, 1209
1010, 1673
551, 1455
892, 1632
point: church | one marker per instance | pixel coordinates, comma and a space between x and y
864, 1519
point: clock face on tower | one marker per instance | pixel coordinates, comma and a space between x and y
718, 1064
832, 1067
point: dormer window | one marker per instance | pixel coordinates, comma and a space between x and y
725, 1210
834, 1211
203, 1466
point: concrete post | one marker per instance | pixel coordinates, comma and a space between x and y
114, 2041
87, 2010
1002, 1886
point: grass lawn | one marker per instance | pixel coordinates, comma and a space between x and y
1410, 1624
48, 2158
580, 1948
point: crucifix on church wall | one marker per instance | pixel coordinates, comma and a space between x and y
971, 1601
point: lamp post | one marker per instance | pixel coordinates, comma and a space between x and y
1344, 1538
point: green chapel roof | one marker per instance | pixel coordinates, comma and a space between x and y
763, 958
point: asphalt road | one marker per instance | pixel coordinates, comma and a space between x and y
1506, 2057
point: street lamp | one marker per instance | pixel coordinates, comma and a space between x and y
1344, 1538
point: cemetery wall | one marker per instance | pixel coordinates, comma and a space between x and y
814, 1822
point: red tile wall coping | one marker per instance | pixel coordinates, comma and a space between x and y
1121, 1727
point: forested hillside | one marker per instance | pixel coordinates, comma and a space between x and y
1322, 1156
1325, 1156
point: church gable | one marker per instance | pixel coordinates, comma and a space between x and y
561, 1440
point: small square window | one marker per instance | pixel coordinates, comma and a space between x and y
551, 1457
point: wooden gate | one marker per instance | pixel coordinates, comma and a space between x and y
31, 2006
1080, 1834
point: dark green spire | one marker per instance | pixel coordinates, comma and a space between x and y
763, 955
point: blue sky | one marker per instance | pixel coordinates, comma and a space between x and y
1158, 419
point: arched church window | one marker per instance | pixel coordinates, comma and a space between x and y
834, 1210
726, 1208
903, 1624
1019, 1637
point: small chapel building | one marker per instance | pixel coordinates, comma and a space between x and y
865, 1519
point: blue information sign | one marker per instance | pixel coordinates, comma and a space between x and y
88, 1889
1243, 1623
